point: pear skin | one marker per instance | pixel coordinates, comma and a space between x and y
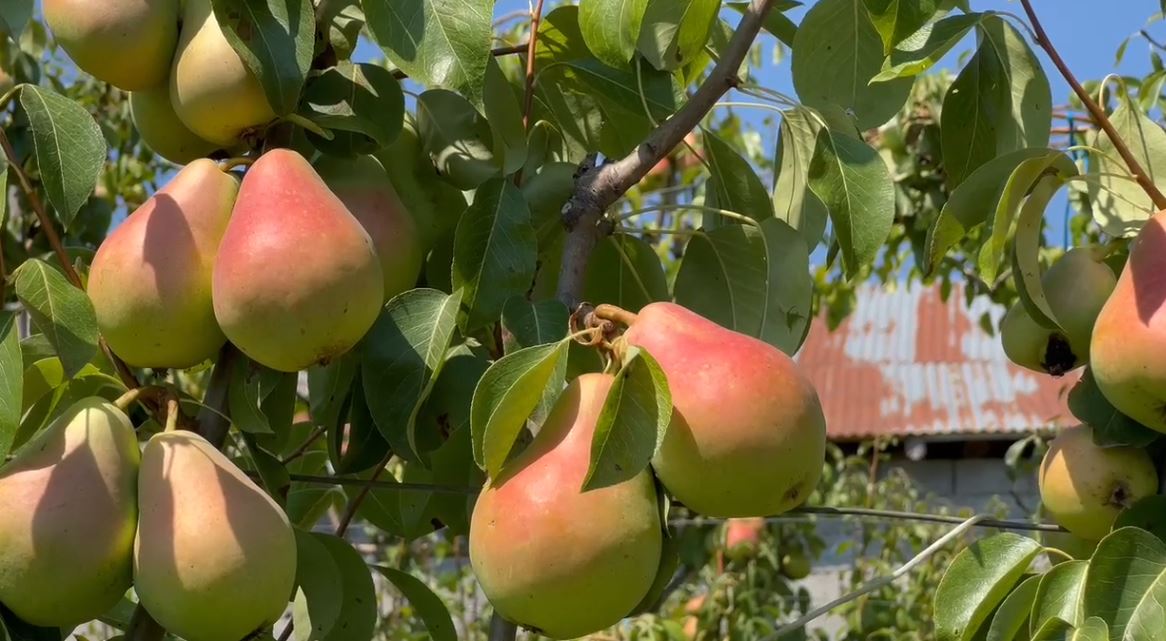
1084, 487
127, 43
541, 564
211, 89
215, 557
69, 503
150, 281
1130, 332
161, 129
748, 437
296, 281
363, 186
1076, 288
743, 537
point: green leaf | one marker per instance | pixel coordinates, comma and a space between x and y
977, 580
245, 393
362, 446
1148, 513
439, 43
836, 52
60, 311
1026, 245
1000, 102
852, 180
1126, 584
1094, 629
275, 40
625, 270
776, 23
1059, 595
329, 388
70, 148
272, 474
611, 28
970, 204
318, 579
526, 324
751, 280
401, 356
895, 20
632, 424
505, 396
923, 49
674, 32
494, 252
458, 139
1011, 619
11, 383
793, 201
505, 117
427, 605
733, 185
14, 14
362, 103
358, 604
1110, 427
1120, 206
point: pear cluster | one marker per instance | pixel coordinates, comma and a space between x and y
209, 554
747, 439
275, 263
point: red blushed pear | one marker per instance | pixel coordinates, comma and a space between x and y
296, 281
363, 186
1129, 336
748, 437
552, 557
150, 281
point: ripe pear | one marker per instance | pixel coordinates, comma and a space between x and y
1084, 487
363, 186
1076, 287
748, 437
210, 87
552, 557
296, 281
743, 537
162, 130
150, 281
215, 557
69, 503
1130, 333
127, 43
436, 205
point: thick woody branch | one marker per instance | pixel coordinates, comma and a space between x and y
599, 187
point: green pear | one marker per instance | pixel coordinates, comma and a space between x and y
150, 281
748, 437
215, 557
127, 43
211, 89
1076, 287
1084, 487
69, 503
296, 281
162, 130
552, 557
363, 186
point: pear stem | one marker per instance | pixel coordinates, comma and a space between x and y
172, 412
238, 161
146, 393
615, 314
303, 122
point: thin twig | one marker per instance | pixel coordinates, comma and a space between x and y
536, 17
878, 583
354, 504
1095, 110
598, 187
385, 485
308, 442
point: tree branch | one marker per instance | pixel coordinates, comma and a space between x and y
528, 96
1095, 110
597, 188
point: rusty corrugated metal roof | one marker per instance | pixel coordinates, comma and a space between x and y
905, 362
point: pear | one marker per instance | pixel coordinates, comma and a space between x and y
215, 558
1130, 332
552, 557
162, 130
69, 503
363, 186
127, 43
748, 437
1084, 487
795, 565
150, 281
296, 280
1076, 287
743, 537
211, 89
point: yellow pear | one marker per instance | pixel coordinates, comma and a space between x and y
215, 558
210, 87
69, 511
127, 43
161, 129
